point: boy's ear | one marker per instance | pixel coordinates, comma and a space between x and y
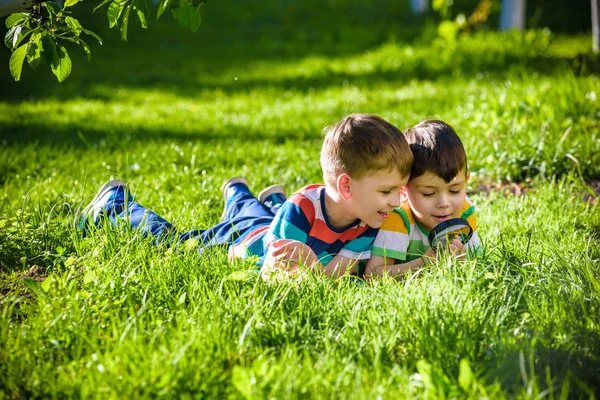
344, 183
468, 176
403, 195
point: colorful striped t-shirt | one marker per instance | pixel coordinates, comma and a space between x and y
402, 238
303, 218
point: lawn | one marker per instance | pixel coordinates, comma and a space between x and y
111, 315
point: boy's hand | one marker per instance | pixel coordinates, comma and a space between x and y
287, 255
454, 246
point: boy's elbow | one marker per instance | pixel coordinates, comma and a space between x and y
369, 273
374, 267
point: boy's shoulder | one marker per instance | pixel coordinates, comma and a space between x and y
469, 212
312, 192
399, 220
307, 200
307, 206
468, 204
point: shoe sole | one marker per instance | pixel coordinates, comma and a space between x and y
101, 192
268, 191
225, 186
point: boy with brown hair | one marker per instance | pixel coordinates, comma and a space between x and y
327, 227
436, 192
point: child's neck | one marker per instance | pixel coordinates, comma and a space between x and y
422, 225
335, 208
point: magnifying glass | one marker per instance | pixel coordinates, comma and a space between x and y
450, 229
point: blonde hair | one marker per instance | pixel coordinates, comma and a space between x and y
364, 143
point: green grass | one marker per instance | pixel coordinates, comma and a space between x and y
113, 315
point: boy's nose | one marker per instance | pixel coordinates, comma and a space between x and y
444, 201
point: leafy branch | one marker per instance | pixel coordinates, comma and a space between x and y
38, 34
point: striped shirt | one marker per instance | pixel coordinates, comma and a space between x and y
402, 238
303, 218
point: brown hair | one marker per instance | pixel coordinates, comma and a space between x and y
363, 143
437, 149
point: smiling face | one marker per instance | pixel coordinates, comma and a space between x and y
434, 200
374, 196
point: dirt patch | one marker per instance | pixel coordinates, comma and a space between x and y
4, 290
595, 188
16, 286
36, 273
508, 189
519, 189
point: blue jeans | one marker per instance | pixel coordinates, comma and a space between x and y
243, 214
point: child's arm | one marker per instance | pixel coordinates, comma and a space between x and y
288, 255
380, 266
389, 253
287, 237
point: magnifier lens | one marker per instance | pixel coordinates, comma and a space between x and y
448, 230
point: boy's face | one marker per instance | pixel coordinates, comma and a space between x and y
433, 200
375, 195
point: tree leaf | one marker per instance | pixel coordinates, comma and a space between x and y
162, 7
188, 17
34, 51
74, 25
141, 8
12, 36
114, 12
23, 34
125, 21
105, 2
141, 17
14, 19
49, 55
70, 3
52, 8
16, 34
63, 68
8, 37
16, 61
18, 29
86, 48
88, 32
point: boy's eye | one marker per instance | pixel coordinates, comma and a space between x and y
386, 192
427, 194
455, 191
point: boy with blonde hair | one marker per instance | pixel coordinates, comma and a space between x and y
436, 192
327, 227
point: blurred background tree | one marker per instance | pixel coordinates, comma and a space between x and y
37, 31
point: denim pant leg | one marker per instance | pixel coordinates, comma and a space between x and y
243, 214
122, 209
242, 203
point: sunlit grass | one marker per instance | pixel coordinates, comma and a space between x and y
513, 129
112, 315
126, 317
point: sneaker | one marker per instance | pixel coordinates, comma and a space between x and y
226, 185
273, 196
92, 211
